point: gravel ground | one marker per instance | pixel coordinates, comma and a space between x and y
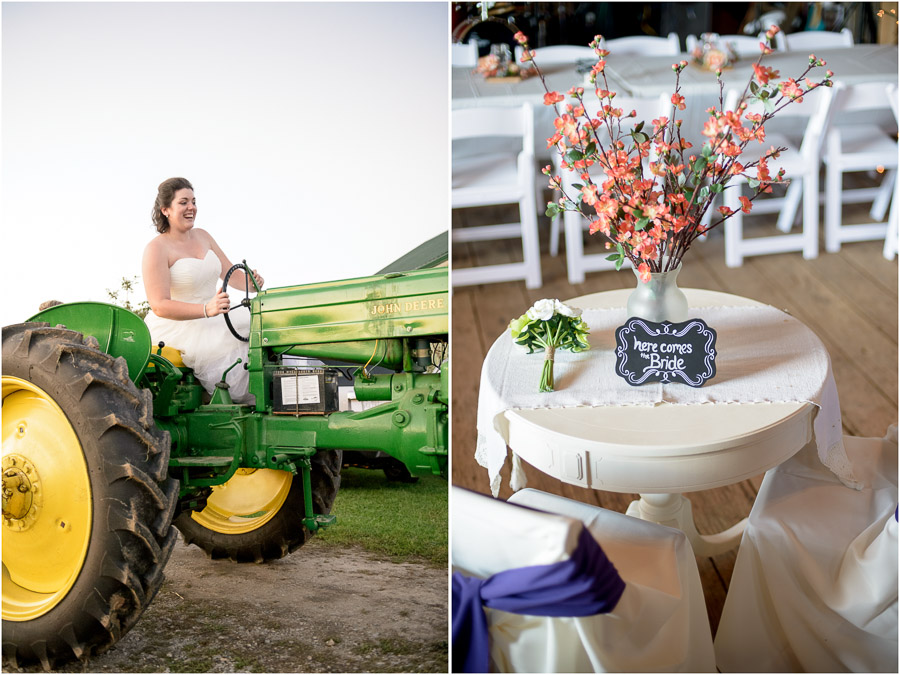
319, 610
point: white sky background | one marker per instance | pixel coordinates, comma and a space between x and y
315, 135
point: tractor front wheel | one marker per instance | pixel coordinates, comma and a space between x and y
257, 516
87, 501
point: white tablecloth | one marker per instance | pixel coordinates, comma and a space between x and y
764, 355
652, 75
649, 76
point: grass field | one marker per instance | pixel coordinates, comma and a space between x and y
404, 521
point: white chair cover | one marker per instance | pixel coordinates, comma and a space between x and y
659, 624
815, 583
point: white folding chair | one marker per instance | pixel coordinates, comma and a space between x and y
857, 147
577, 262
743, 45
801, 164
464, 54
659, 623
558, 54
554, 55
807, 40
890, 240
497, 177
814, 587
646, 45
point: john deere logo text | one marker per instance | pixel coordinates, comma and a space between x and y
407, 306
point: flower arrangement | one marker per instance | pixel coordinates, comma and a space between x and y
491, 65
712, 56
651, 214
550, 325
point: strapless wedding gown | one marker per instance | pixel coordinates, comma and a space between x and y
206, 345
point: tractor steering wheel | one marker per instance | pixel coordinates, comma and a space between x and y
243, 303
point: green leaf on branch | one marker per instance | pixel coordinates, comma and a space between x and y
641, 223
753, 183
574, 155
716, 188
553, 210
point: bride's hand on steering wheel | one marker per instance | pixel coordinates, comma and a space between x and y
219, 304
260, 282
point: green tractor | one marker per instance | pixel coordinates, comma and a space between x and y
109, 442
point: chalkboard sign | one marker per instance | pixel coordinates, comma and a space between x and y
666, 352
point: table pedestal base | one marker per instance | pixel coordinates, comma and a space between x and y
674, 510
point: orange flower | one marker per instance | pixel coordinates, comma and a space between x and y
644, 272
678, 101
745, 204
553, 97
792, 89
764, 74
725, 211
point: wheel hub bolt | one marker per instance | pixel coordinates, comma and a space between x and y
21, 493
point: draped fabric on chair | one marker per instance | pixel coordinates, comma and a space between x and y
572, 588
585, 584
815, 583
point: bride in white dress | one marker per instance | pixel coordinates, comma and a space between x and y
181, 270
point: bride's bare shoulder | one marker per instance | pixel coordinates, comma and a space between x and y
157, 247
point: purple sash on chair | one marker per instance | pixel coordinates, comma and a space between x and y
585, 584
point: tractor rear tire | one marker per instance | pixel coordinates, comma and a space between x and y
262, 536
85, 472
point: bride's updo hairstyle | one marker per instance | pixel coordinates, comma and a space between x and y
164, 197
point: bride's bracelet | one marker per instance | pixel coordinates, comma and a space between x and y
205, 314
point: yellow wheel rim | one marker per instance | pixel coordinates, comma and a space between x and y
246, 502
47, 509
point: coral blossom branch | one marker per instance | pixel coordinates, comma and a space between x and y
652, 219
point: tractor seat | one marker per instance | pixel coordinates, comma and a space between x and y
172, 355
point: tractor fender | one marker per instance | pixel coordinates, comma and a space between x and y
119, 331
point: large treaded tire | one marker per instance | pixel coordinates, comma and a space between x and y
133, 498
282, 534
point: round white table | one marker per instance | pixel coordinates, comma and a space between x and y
665, 450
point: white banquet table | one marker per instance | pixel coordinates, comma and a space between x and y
692, 439
651, 75
648, 76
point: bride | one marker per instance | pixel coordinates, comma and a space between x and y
181, 268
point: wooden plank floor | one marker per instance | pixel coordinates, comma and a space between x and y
848, 299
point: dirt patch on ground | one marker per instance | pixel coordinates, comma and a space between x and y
318, 610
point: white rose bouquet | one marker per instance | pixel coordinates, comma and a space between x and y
550, 325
